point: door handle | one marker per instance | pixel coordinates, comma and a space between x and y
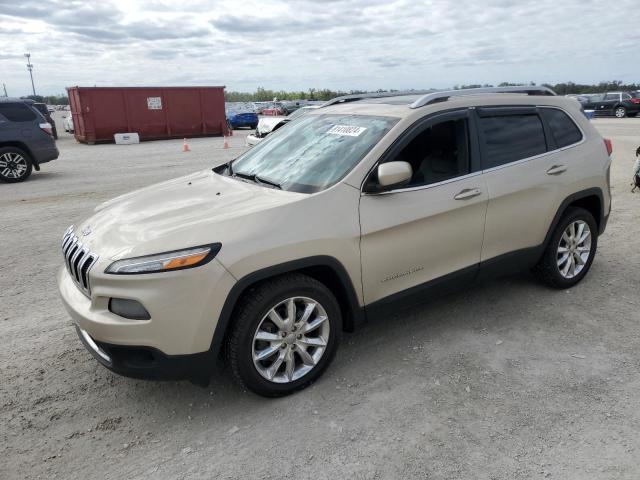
468, 193
556, 170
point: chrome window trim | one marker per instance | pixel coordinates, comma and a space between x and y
536, 157
426, 186
489, 170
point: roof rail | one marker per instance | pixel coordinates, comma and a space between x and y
444, 95
361, 96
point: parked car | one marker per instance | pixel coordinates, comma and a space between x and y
46, 113
26, 140
360, 208
620, 104
275, 109
242, 119
580, 98
51, 108
67, 122
266, 125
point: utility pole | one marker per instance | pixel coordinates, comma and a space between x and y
30, 68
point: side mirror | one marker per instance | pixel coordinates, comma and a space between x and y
393, 174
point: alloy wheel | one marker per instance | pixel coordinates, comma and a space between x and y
574, 249
620, 112
13, 165
290, 339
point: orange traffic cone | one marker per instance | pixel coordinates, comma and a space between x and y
185, 146
226, 144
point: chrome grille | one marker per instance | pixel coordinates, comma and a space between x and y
78, 260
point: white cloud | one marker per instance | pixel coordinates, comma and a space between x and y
298, 44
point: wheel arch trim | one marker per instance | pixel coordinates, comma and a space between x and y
299, 265
25, 149
22, 146
574, 197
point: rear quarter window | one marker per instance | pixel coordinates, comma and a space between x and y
564, 130
17, 112
509, 138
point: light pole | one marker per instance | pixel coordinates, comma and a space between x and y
30, 68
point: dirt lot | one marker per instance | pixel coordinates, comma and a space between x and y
508, 380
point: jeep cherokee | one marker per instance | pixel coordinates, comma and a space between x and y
367, 202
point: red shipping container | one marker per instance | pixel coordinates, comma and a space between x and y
153, 113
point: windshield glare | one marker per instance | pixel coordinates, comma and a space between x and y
314, 152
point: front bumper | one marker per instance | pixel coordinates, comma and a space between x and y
149, 363
184, 307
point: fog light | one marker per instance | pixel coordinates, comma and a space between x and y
126, 308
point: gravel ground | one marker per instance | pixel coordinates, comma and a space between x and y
507, 380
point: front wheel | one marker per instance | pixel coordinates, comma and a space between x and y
570, 251
15, 165
620, 112
285, 333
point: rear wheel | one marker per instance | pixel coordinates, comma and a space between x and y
15, 165
285, 334
620, 112
570, 251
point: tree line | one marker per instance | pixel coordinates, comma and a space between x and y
49, 99
267, 95
565, 88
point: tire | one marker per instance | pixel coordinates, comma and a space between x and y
620, 112
550, 269
15, 165
252, 317
253, 126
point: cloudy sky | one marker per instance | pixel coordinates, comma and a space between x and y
298, 44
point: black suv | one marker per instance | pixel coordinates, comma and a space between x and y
26, 140
620, 104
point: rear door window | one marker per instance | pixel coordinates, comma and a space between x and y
509, 138
17, 112
564, 130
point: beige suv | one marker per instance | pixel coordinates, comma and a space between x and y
368, 202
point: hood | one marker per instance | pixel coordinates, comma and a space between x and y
180, 213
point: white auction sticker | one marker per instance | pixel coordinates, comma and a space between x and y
347, 130
154, 103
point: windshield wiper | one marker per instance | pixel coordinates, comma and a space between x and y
257, 179
268, 182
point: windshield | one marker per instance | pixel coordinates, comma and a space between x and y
314, 152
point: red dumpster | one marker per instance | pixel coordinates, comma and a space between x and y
152, 112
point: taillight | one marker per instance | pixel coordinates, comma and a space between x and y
609, 145
46, 127
634, 100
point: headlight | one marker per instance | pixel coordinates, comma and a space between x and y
163, 262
